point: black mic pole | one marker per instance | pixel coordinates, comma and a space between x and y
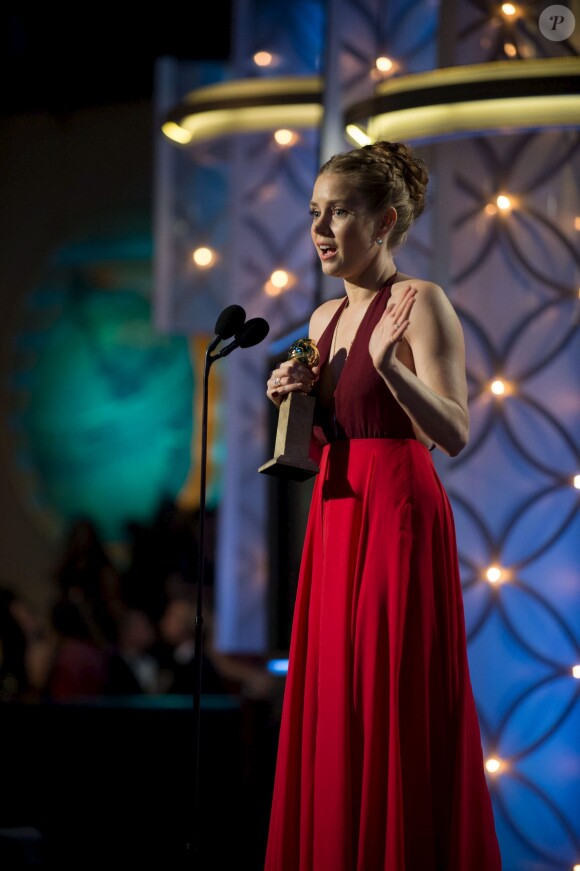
250, 333
230, 320
199, 616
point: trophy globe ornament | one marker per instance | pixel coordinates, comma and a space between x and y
305, 351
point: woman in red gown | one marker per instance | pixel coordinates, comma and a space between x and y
380, 764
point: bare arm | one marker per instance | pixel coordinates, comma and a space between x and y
435, 394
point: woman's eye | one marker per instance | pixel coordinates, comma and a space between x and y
314, 213
339, 212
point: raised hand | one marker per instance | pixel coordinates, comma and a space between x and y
391, 328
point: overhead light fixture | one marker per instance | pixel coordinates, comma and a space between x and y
470, 98
245, 106
357, 135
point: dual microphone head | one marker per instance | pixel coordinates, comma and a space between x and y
232, 322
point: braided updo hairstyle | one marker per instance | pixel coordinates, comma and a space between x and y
386, 174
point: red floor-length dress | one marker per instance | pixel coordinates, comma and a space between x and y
380, 764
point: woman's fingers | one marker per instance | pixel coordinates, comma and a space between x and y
396, 317
399, 312
289, 377
408, 303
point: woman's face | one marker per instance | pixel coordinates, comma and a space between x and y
343, 231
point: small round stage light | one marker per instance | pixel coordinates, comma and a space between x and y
384, 64
280, 278
503, 202
203, 257
263, 58
508, 9
493, 765
493, 574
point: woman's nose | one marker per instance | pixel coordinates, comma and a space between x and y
320, 225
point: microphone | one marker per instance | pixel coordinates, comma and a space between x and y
228, 324
252, 332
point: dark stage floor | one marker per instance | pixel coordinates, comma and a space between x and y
112, 784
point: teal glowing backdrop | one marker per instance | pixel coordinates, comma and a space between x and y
103, 402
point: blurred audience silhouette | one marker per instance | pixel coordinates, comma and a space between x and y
87, 579
124, 632
133, 668
79, 662
125, 628
24, 648
220, 672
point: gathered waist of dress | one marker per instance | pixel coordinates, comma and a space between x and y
349, 467
333, 432
382, 419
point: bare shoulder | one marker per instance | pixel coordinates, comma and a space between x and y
428, 292
321, 317
431, 302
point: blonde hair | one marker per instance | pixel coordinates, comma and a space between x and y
386, 174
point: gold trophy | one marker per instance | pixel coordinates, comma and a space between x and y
295, 417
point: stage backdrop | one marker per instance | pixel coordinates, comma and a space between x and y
500, 234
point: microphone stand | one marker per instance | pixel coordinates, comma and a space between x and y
209, 359
250, 333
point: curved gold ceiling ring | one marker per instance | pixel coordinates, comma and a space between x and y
246, 105
443, 103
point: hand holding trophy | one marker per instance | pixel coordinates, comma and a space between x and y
295, 416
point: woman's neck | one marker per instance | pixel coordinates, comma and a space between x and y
360, 293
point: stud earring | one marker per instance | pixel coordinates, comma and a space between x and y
379, 240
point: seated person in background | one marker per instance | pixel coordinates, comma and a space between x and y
25, 648
13, 673
221, 672
79, 665
133, 668
86, 576
176, 649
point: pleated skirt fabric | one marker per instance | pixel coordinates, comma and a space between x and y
380, 764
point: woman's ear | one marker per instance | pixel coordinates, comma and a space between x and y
389, 220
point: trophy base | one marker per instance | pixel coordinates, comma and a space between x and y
291, 460
289, 470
